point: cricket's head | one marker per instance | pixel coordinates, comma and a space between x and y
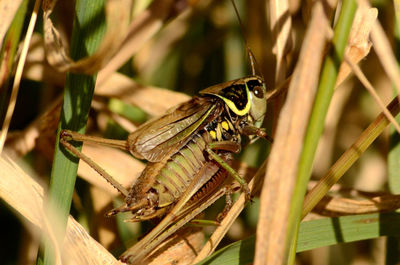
244, 97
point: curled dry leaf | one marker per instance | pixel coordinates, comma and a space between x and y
117, 15
384, 50
36, 67
358, 45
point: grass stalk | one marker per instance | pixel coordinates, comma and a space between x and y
317, 120
87, 33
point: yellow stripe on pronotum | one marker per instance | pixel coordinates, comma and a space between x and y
233, 107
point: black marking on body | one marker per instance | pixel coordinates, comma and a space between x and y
237, 94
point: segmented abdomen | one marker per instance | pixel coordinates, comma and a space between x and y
174, 178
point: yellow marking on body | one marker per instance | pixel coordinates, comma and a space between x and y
233, 107
230, 125
213, 135
225, 125
219, 132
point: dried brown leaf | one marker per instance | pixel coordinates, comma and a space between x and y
36, 66
181, 248
285, 153
358, 45
332, 206
384, 50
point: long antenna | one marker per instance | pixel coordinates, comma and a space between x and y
252, 59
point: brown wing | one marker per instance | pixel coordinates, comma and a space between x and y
168, 133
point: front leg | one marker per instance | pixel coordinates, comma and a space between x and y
260, 132
231, 147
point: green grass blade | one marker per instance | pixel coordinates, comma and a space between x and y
317, 233
316, 123
87, 33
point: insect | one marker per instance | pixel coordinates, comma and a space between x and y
189, 150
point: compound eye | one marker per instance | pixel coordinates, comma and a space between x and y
258, 92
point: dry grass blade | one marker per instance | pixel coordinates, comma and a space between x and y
343, 206
282, 167
347, 159
8, 8
82, 249
118, 12
363, 79
25, 196
281, 24
20, 191
18, 75
180, 249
